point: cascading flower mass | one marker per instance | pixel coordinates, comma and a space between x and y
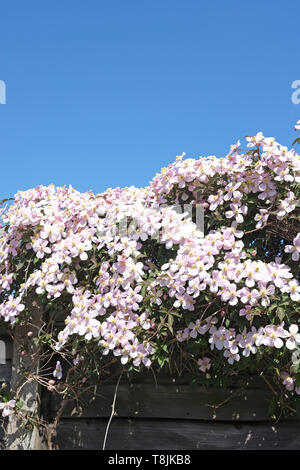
135, 277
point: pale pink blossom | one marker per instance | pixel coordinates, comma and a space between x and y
8, 408
294, 339
204, 364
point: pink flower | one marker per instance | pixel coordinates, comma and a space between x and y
77, 359
264, 292
247, 311
194, 329
238, 212
293, 288
294, 339
144, 321
256, 336
249, 273
230, 295
273, 335
204, 364
287, 205
218, 337
142, 356
41, 248
7, 407
295, 248
185, 301
215, 282
261, 218
50, 231
183, 335
231, 357
249, 296
255, 140
195, 287
288, 381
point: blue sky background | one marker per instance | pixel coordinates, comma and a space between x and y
105, 93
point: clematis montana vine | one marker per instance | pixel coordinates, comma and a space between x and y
131, 271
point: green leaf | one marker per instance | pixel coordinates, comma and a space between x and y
272, 307
19, 404
170, 323
297, 380
20, 266
280, 313
170, 312
295, 367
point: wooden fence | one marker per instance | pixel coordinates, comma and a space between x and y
174, 415
166, 414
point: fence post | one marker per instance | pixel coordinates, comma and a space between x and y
21, 437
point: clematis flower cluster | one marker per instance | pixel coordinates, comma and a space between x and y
117, 262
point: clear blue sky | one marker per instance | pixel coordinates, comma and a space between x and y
105, 93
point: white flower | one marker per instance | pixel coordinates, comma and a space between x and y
294, 338
58, 371
7, 407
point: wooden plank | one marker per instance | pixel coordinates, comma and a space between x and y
22, 437
172, 402
2, 439
6, 352
5, 372
143, 434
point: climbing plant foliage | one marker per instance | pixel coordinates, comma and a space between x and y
198, 272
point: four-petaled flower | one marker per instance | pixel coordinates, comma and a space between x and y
7, 407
